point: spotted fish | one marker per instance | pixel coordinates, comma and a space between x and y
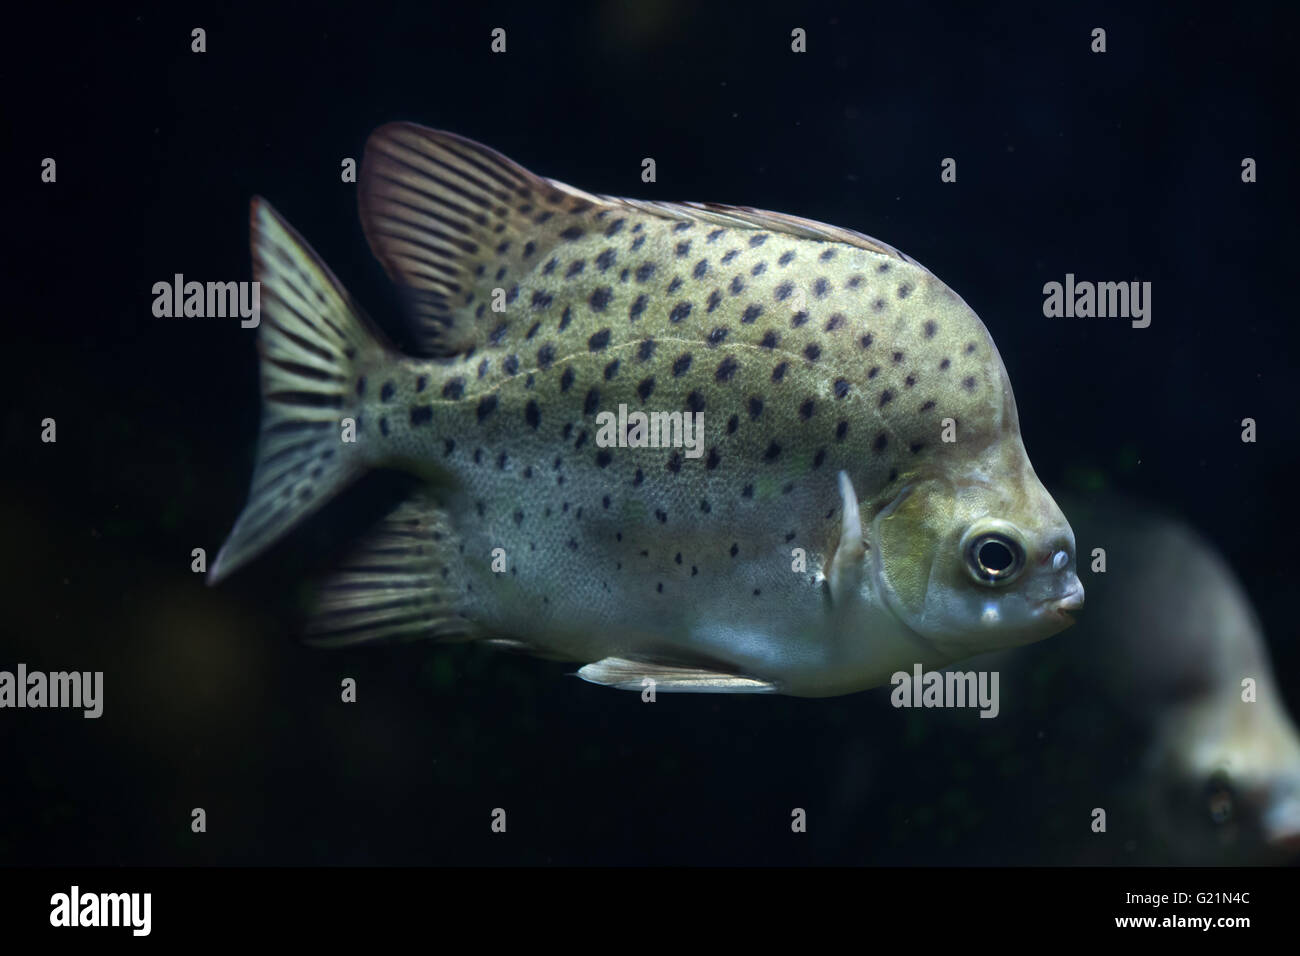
857, 499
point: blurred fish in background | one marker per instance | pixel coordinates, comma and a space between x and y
1140, 710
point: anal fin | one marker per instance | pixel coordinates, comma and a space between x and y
402, 581
629, 675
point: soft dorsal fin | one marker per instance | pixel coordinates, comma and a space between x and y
451, 220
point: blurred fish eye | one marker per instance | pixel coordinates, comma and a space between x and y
1219, 798
994, 557
1060, 560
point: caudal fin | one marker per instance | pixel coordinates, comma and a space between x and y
312, 337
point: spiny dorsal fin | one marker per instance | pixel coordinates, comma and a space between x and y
746, 217
452, 220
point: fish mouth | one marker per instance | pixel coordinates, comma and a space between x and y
1063, 608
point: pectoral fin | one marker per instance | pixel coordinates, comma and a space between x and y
630, 675
844, 570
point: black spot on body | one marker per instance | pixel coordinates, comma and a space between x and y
605, 260
637, 308
812, 351
715, 299
511, 365
712, 460
486, 406
575, 267
770, 340
644, 271
841, 388
836, 321
726, 370
968, 383
532, 414
773, 452
566, 379
646, 350
680, 311
737, 286
598, 341
387, 391
695, 402
886, 397
545, 357
603, 458
717, 336
683, 248
611, 370
701, 269
807, 408
841, 430
732, 424
646, 388
778, 373
454, 388
752, 312
600, 298
881, 441
422, 415
681, 365
572, 234
591, 402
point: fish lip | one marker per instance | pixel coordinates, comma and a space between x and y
1063, 607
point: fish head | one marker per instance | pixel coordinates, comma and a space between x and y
977, 558
1228, 775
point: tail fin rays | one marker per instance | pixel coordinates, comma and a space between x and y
311, 338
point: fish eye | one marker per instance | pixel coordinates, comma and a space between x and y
1219, 798
994, 557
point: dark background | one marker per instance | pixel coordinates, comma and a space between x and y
1117, 166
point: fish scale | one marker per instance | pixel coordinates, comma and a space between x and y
809, 350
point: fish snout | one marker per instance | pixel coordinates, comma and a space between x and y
1070, 601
